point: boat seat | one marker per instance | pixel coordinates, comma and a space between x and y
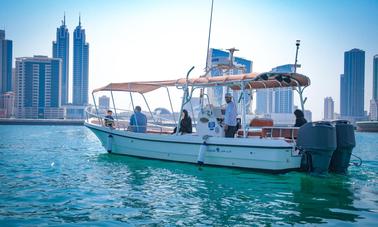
286, 132
158, 132
249, 133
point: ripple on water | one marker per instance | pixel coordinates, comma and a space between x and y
61, 175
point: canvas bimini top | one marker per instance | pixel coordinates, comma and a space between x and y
235, 82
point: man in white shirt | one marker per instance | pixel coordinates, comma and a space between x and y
230, 115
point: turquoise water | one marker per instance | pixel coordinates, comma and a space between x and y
60, 175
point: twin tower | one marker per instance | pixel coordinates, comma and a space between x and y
80, 63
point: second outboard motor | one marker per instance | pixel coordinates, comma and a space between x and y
318, 140
346, 141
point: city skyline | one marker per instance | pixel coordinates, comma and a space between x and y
130, 34
60, 49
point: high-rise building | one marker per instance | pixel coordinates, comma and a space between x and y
61, 50
328, 109
38, 87
278, 100
374, 101
352, 85
374, 110
375, 77
6, 47
80, 67
219, 57
103, 102
308, 115
264, 101
8, 104
283, 97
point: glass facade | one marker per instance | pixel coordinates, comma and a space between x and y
38, 86
352, 84
80, 67
61, 50
375, 77
6, 50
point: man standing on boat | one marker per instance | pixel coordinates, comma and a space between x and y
138, 121
230, 115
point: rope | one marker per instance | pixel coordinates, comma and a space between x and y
356, 163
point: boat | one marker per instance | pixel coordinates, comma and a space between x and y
269, 148
367, 126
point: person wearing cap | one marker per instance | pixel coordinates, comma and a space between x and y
230, 115
109, 120
138, 121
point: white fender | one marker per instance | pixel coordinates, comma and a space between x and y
201, 153
109, 144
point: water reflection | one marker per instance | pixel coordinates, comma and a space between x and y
167, 192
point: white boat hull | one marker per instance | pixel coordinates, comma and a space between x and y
264, 154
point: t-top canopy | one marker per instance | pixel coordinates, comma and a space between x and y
236, 82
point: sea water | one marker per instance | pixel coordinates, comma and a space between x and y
61, 175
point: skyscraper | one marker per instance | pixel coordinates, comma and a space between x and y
219, 57
374, 100
352, 85
103, 102
375, 77
6, 47
328, 108
61, 50
38, 84
278, 100
80, 67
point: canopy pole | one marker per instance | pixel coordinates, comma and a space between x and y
170, 102
300, 91
243, 110
184, 101
94, 102
114, 107
132, 103
202, 90
148, 107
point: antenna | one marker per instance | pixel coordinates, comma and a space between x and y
232, 50
208, 40
297, 43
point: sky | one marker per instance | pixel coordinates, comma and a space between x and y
163, 39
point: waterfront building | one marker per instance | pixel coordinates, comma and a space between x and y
6, 50
374, 100
278, 100
308, 115
218, 58
375, 77
374, 110
61, 50
38, 88
328, 109
103, 102
8, 104
264, 101
74, 112
352, 85
283, 97
80, 67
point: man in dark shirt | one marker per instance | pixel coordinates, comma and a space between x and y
109, 120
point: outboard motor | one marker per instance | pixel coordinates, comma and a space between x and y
345, 143
318, 141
